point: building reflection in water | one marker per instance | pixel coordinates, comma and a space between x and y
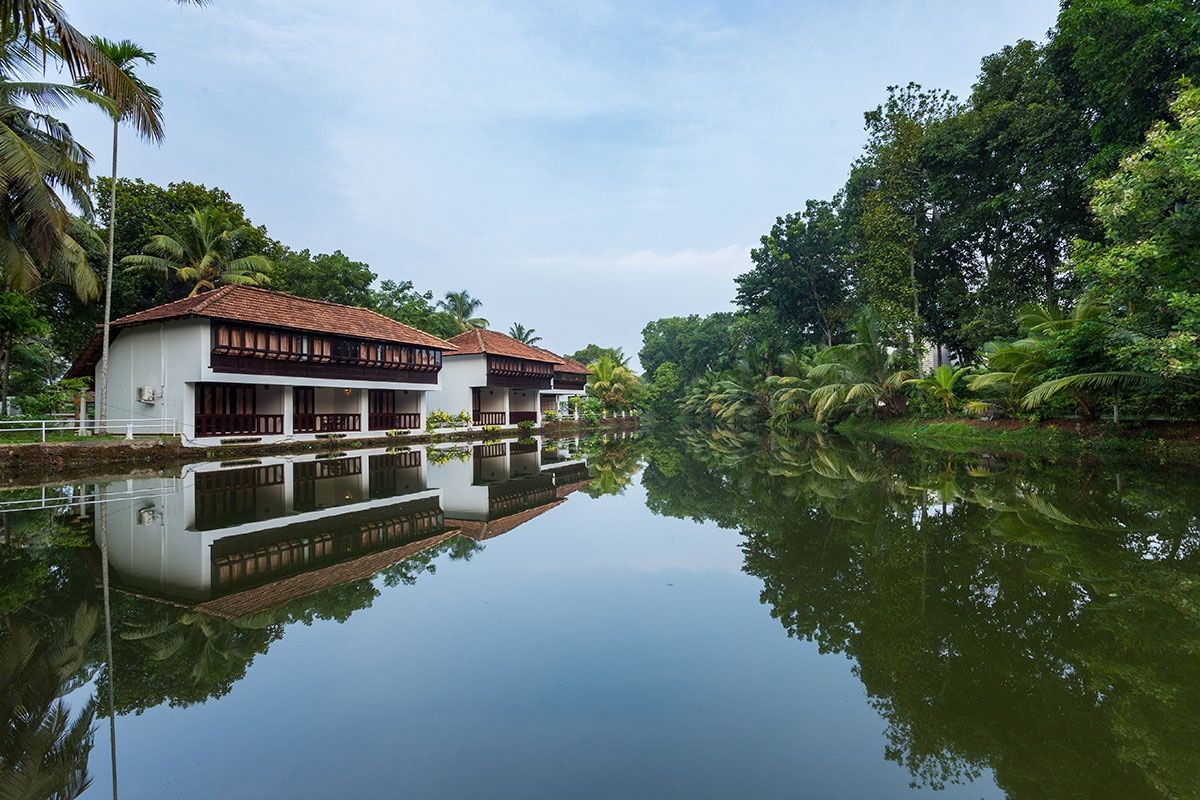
233, 539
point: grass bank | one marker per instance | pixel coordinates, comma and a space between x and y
1164, 442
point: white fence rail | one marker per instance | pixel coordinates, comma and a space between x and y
63, 424
59, 497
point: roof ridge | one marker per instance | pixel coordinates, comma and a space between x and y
208, 298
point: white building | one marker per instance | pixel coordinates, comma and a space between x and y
500, 381
237, 540
246, 363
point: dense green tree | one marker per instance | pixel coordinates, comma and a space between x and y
1124, 59
664, 390
1146, 268
1006, 177
893, 236
801, 276
593, 352
400, 301
19, 320
333, 277
695, 344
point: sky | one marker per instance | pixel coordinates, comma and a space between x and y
583, 167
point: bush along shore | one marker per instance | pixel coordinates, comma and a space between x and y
35, 463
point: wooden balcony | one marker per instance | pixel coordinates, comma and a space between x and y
239, 424
326, 423
519, 373
393, 420
570, 381
489, 418
255, 350
521, 416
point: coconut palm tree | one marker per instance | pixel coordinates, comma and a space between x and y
125, 55
522, 334
40, 162
43, 751
862, 374
462, 307
612, 384
940, 384
201, 253
40, 30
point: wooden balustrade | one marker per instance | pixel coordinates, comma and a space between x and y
393, 420
239, 424
326, 423
521, 416
489, 417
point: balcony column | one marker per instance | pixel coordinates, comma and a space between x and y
364, 409
507, 404
289, 409
422, 404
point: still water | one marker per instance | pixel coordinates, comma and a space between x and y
670, 615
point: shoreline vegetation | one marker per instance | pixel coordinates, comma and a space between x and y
994, 268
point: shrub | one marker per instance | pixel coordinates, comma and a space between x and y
526, 424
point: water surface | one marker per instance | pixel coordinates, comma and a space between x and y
675, 615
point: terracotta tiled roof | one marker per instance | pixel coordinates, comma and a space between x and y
565, 364
254, 305
271, 595
480, 340
571, 365
489, 529
260, 306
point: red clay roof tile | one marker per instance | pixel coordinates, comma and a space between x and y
264, 307
481, 340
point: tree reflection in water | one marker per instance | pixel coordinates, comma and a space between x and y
1039, 620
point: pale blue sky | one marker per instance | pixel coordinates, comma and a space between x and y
582, 167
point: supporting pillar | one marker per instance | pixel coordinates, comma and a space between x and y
288, 407
507, 395
364, 410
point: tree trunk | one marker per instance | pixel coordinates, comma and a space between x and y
4, 355
1049, 271
102, 384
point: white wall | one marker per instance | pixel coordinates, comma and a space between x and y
523, 400
171, 357
164, 356
458, 375
336, 401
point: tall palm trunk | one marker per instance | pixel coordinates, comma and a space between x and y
102, 385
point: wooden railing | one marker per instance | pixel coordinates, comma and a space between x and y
521, 416
489, 418
239, 424
326, 423
393, 420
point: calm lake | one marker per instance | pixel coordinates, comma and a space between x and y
663, 615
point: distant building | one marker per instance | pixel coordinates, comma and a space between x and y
500, 381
